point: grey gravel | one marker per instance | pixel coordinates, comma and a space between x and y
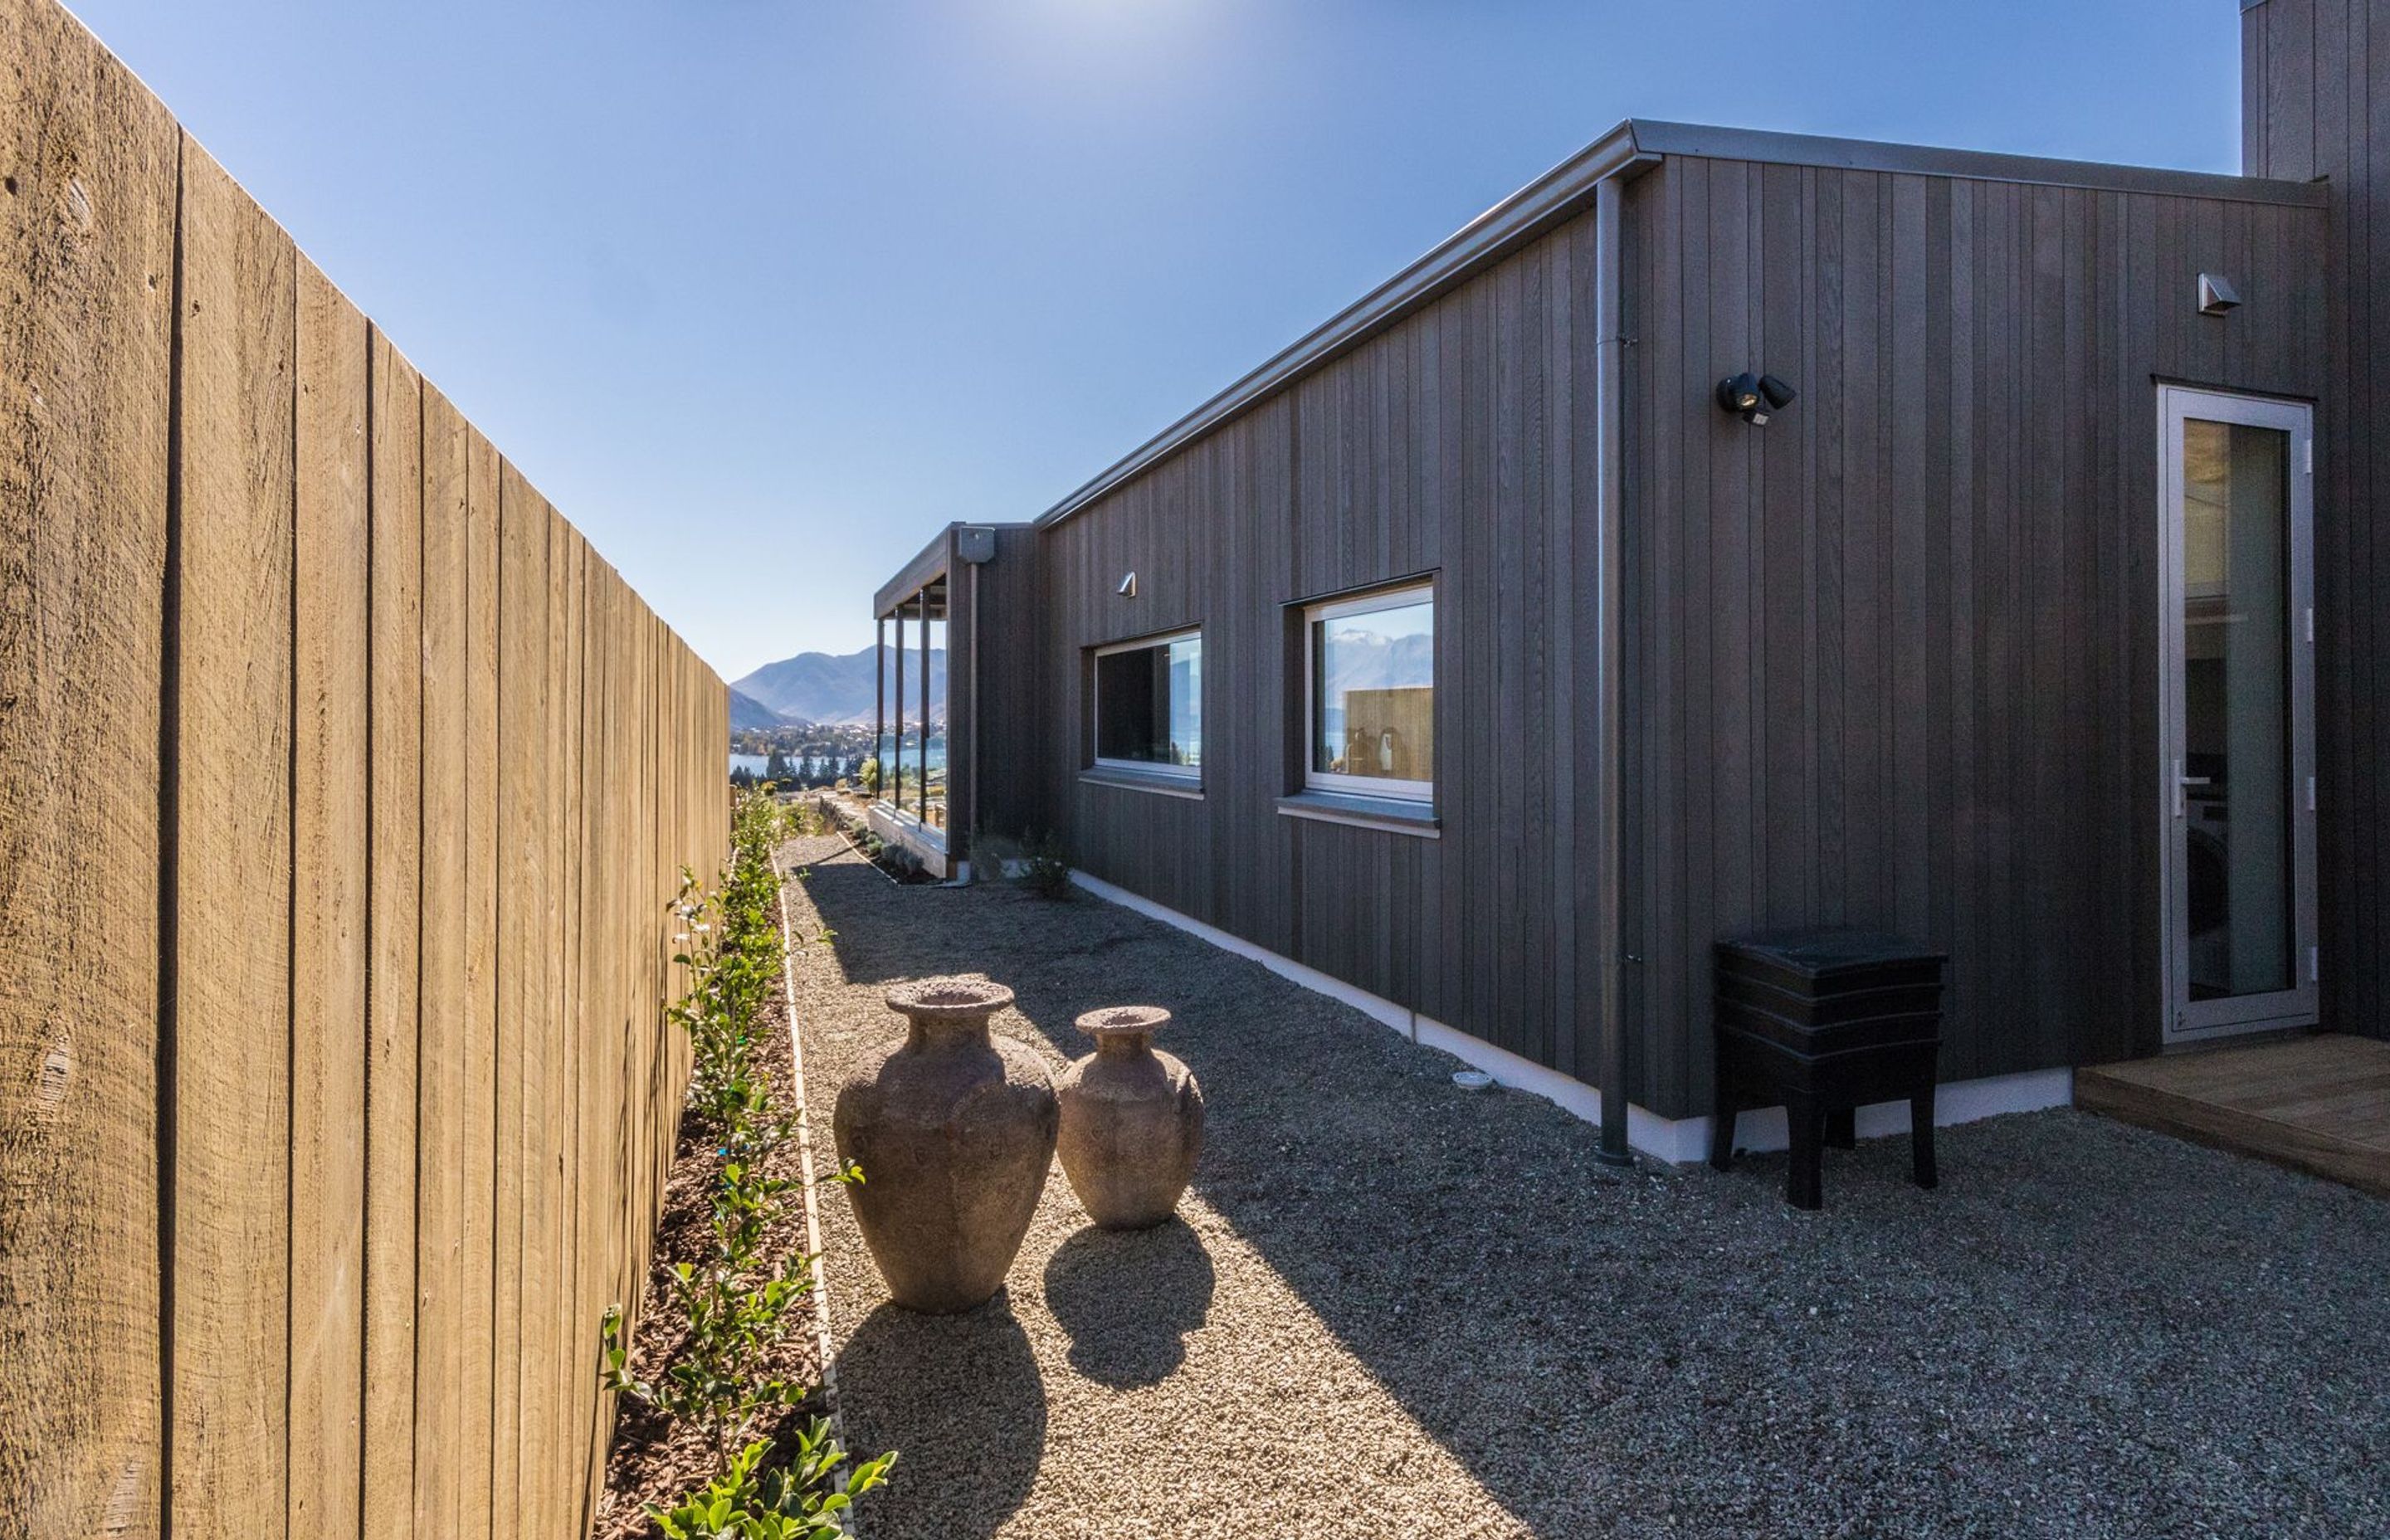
1397, 1308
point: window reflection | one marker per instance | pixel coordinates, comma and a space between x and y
1149, 704
933, 665
2236, 700
1373, 693
911, 741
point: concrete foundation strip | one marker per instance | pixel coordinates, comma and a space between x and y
823, 1347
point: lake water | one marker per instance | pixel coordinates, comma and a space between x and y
755, 764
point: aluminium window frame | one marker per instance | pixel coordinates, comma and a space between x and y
1340, 783
1191, 775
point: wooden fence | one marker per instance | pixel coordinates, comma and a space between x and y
342, 792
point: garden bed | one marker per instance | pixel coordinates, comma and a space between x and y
654, 1459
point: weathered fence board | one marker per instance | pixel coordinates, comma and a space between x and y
328, 846
483, 1024
228, 1142
343, 788
86, 300
393, 929
522, 775
443, 1138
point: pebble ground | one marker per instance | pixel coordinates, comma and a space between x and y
1397, 1309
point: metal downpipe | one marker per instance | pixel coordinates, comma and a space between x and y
1609, 416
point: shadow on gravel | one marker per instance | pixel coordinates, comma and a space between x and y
960, 1398
2087, 1330
1128, 1299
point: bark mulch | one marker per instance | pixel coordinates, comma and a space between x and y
652, 1459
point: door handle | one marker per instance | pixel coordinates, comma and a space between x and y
2181, 781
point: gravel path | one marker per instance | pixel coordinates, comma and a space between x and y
1397, 1309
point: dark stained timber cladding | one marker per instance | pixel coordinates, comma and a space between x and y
1455, 432
2317, 103
1892, 658
1897, 651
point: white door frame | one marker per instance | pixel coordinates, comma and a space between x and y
2186, 1020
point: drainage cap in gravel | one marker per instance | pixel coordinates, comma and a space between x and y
1471, 1080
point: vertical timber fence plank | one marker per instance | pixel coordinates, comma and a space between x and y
442, 1138
394, 931
564, 1382
598, 1111
230, 1133
522, 646
327, 945
541, 1193
483, 1027
577, 1369
87, 317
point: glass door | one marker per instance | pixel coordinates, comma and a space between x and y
2238, 713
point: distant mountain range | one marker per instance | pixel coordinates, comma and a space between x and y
747, 712
831, 687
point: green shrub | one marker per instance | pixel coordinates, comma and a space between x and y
740, 1305
866, 775
799, 1500
1044, 868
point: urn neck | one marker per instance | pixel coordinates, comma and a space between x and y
1116, 1044
945, 1033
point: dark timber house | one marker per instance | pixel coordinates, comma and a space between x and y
1470, 659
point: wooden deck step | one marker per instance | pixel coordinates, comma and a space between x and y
2318, 1103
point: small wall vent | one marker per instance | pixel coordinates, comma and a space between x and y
2216, 294
1127, 589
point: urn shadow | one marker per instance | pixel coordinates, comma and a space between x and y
1128, 1299
959, 1398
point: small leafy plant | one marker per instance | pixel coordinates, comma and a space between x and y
740, 1305
799, 1500
1045, 865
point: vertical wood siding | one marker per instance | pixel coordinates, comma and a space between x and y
341, 791
1895, 653
1454, 445
2316, 102
1892, 660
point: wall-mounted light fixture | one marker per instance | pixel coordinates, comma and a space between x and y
1753, 398
2216, 294
1127, 588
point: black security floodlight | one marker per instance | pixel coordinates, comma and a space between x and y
1753, 397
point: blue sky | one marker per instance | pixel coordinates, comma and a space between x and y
763, 292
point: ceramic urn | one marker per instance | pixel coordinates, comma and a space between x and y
953, 1129
1132, 1120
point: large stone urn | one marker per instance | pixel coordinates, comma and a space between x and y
954, 1130
1132, 1120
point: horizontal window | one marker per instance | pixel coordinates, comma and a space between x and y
1150, 705
1372, 694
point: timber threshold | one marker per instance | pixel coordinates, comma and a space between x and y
2318, 1103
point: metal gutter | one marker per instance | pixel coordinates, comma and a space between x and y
1702, 141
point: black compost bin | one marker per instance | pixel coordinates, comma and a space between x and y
1823, 1022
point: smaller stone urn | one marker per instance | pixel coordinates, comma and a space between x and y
1132, 1120
955, 1130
